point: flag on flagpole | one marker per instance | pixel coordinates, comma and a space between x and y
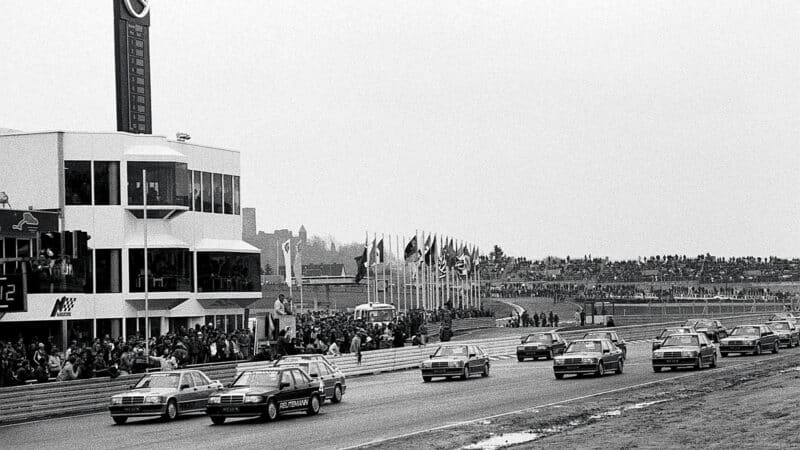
372, 249
298, 263
287, 260
361, 265
412, 251
452, 256
378, 253
430, 254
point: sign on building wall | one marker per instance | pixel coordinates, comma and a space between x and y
20, 223
132, 55
12, 293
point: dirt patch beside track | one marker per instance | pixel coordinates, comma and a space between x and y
745, 406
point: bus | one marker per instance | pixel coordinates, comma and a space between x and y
376, 313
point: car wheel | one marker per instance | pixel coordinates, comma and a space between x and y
757, 351
485, 372
313, 405
272, 410
337, 394
559, 376
217, 420
120, 420
775, 347
426, 379
699, 363
600, 370
713, 361
723, 354
172, 410
465, 373
520, 358
619, 366
656, 369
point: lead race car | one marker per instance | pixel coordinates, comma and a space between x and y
455, 360
693, 350
165, 394
589, 357
267, 393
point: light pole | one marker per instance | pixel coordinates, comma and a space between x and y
146, 277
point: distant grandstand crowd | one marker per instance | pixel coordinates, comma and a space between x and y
660, 268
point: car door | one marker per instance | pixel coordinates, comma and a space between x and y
287, 391
203, 386
610, 356
707, 349
304, 387
329, 377
187, 392
558, 344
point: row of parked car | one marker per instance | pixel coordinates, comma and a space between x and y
296, 383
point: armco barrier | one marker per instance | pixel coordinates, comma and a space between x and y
38, 401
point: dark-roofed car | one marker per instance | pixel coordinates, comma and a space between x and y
611, 336
787, 331
666, 332
165, 394
319, 368
541, 345
266, 393
711, 327
589, 356
455, 361
749, 339
693, 350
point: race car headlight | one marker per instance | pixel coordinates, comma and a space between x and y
558, 362
116, 400
153, 399
520, 347
253, 399
426, 364
214, 400
689, 354
658, 354
589, 360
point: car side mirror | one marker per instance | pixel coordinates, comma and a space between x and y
285, 385
605, 350
184, 386
704, 345
472, 355
130, 387
314, 375
430, 356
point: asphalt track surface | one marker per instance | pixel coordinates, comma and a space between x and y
374, 408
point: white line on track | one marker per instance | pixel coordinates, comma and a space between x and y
531, 408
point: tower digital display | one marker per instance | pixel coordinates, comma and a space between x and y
132, 55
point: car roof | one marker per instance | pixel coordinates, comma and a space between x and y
591, 340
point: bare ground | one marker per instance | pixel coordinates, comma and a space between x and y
755, 406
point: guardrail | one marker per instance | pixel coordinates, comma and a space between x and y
39, 401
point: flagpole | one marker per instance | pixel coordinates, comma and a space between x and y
416, 272
383, 269
374, 250
366, 247
146, 269
405, 297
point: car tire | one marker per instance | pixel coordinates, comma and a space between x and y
757, 351
620, 366
217, 420
775, 347
426, 379
172, 410
272, 411
120, 420
337, 394
520, 358
485, 372
314, 404
600, 370
713, 364
699, 364
559, 376
656, 369
465, 373
723, 354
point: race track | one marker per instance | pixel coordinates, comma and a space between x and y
374, 408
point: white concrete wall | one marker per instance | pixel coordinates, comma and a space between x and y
29, 170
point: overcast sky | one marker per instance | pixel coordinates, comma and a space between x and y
618, 128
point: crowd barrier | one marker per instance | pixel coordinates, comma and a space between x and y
39, 401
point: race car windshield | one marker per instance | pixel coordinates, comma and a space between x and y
169, 380
544, 338
780, 326
451, 351
745, 331
681, 341
267, 379
703, 323
587, 346
597, 336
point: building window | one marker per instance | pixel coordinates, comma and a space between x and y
78, 182
207, 192
108, 267
217, 193
237, 206
167, 183
197, 190
71, 276
222, 271
227, 185
169, 270
106, 183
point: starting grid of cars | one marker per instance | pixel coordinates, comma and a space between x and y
301, 383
